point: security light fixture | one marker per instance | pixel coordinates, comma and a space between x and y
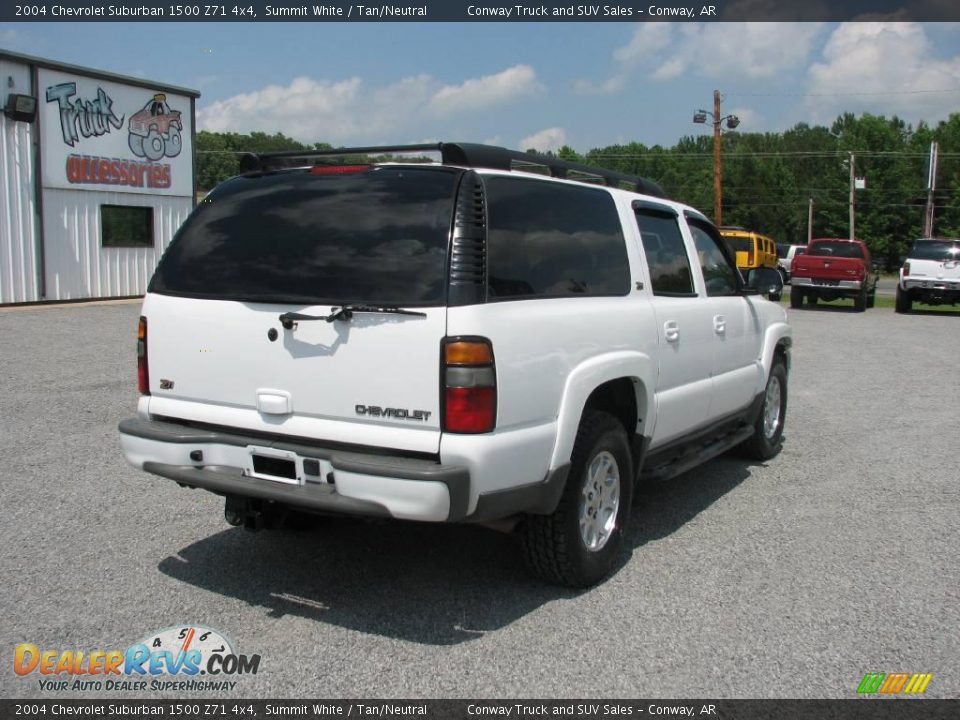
22, 108
732, 122
700, 116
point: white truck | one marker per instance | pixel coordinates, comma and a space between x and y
462, 341
930, 274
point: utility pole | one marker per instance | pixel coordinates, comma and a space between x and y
931, 189
810, 222
717, 194
700, 116
853, 184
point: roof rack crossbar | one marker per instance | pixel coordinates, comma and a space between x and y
472, 155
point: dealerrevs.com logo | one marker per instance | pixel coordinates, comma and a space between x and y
173, 659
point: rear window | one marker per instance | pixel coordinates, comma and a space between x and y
378, 236
836, 249
941, 250
739, 244
547, 239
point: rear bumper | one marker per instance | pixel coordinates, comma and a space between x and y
821, 285
933, 284
326, 479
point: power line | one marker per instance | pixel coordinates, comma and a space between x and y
842, 154
847, 94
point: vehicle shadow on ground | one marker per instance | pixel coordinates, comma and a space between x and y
934, 313
419, 582
662, 508
826, 307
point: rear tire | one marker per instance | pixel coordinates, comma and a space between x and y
579, 543
796, 297
767, 439
860, 301
903, 302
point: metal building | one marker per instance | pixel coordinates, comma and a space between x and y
97, 172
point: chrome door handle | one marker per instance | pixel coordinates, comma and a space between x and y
671, 331
719, 324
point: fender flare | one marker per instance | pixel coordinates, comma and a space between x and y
587, 377
778, 333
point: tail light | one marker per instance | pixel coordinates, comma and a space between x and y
906, 268
143, 374
750, 257
469, 386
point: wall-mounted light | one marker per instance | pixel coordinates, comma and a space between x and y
21, 108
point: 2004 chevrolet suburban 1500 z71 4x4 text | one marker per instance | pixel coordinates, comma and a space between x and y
457, 341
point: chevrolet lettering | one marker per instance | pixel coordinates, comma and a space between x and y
402, 414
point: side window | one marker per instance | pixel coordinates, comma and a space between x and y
667, 257
719, 274
547, 239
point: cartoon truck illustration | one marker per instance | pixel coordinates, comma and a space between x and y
155, 130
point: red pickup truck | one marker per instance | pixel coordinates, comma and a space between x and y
834, 268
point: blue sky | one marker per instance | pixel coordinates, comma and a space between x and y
520, 85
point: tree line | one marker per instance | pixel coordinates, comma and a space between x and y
768, 179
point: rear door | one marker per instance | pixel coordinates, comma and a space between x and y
736, 340
684, 326
308, 242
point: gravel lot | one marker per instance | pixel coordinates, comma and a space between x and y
786, 579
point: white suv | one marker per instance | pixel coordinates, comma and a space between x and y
452, 342
785, 255
930, 274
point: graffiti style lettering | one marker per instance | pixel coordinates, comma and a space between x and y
83, 118
87, 170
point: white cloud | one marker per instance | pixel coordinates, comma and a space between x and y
548, 139
888, 68
515, 82
648, 39
741, 50
732, 51
340, 111
607, 87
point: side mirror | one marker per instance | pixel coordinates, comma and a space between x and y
766, 281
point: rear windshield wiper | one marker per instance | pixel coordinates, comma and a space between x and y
345, 312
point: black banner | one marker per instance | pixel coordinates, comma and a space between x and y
476, 11
854, 709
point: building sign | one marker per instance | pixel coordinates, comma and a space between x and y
100, 135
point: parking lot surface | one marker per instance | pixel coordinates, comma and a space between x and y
791, 578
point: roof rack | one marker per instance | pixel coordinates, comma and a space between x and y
464, 154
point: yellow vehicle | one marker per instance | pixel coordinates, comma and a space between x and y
752, 250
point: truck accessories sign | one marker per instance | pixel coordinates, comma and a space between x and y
101, 135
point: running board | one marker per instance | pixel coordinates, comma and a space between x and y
689, 460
